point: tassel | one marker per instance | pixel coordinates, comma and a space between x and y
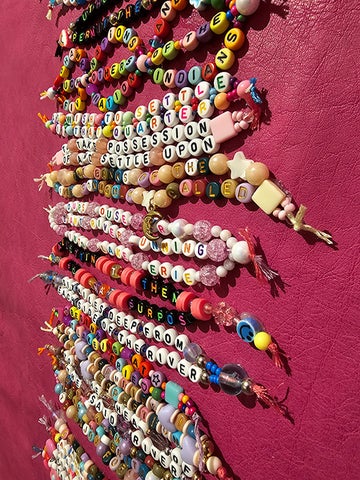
263, 395
276, 355
196, 418
58, 51
49, 13
42, 117
297, 222
262, 270
37, 450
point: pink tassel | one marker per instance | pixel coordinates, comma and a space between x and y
262, 394
262, 270
196, 419
276, 355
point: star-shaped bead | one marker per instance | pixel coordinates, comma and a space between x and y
238, 165
147, 199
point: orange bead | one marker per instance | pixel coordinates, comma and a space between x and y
221, 102
179, 4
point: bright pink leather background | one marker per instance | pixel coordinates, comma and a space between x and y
307, 62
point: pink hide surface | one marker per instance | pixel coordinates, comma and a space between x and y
307, 62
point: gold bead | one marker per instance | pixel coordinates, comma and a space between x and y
133, 451
197, 476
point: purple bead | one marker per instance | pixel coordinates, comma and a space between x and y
101, 449
188, 449
100, 335
95, 97
143, 180
84, 371
165, 415
157, 378
181, 79
191, 352
78, 350
244, 192
128, 196
126, 353
145, 385
125, 446
92, 89
106, 46
100, 75
203, 33
135, 464
135, 377
85, 64
85, 457
66, 320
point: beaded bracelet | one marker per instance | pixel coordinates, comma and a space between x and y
171, 395
62, 453
222, 248
67, 3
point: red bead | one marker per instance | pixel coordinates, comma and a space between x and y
209, 72
161, 28
134, 80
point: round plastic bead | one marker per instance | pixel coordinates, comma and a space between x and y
262, 340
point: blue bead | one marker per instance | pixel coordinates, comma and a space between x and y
248, 327
58, 388
172, 391
209, 365
176, 437
213, 368
218, 371
229, 15
143, 470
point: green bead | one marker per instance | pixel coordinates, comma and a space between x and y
94, 64
119, 98
203, 166
158, 470
169, 50
213, 190
122, 68
194, 75
158, 76
156, 394
218, 4
127, 118
172, 391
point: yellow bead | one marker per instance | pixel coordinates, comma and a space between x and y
95, 344
119, 33
107, 131
219, 23
102, 105
134, 43
262, 340
151, 389
268, 196
234, 39
228, 188
114, 71
127, 371
157, 57
185, 398
221, 102
64, 72
80, 105
224, 59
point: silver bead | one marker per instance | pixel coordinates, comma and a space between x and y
201, 361
246, 386
204, 377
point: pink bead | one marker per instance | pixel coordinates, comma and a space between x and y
140, 63
137, 221
202, 231
137, 260
208, 276
289, 208
242, 87
124, 238
285, 202
92, 245
237, 127
217, 250
191, 411
244, 125
282, 215
276, 212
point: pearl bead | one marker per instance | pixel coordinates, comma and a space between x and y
256, 173
221, 272
218, 164
240, 252
225, 235
216, 231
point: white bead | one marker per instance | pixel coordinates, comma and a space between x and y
191, 130
189, 276
144, 244
195, 373
177, 273
154, 107
230, 242
126, 254
185, 95
201, 251
186, 114
202, 90
165, 269
216, 231
182, 149
169, 101
166, 136
138, 344
142, 128
221, 272
153, 267
170, 153
188, 229
177, 228
213, 464
170, 336
141, 112
129, 131
203, 127
146, 142
158, 333
155, 139
161, 355
178, 133
165, 246
171, 118
148, 329
137, 437
156, 123
176, 455
240, 252
225, 235
188, 248
229, 265
183, 367
122, 336
209, 145
151, 353
196, 147
164, 459
146, 446
173, 359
